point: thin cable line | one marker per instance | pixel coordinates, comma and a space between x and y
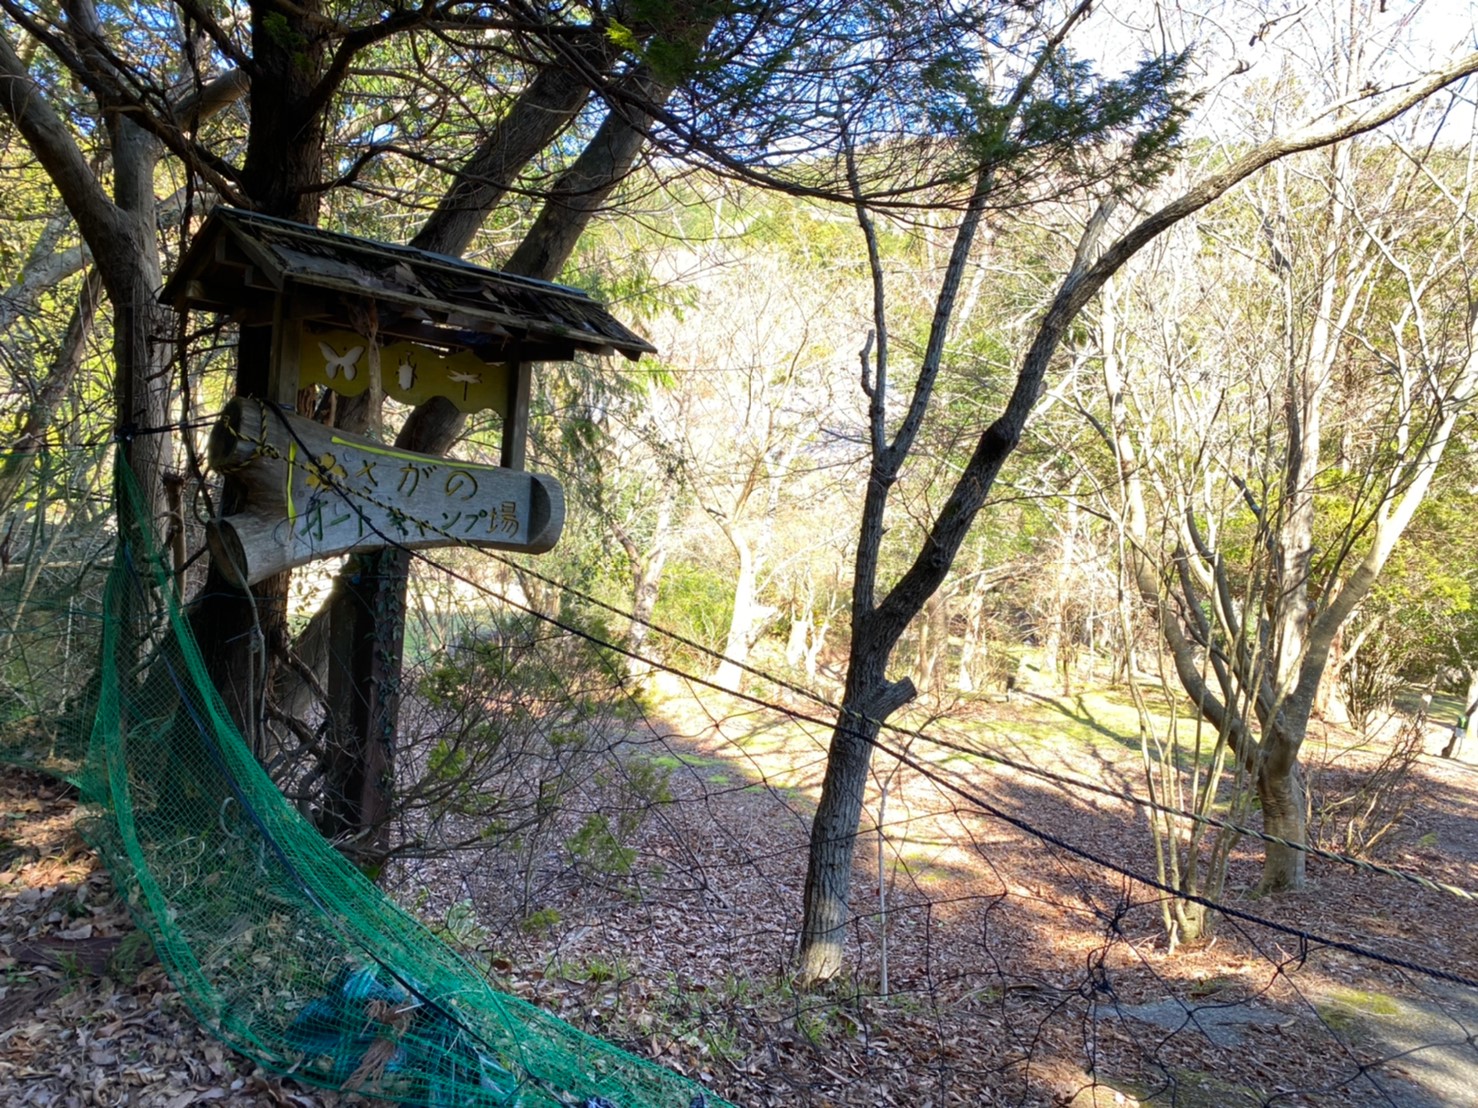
310, 465
928, 773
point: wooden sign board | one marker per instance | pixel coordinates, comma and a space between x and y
316, 492
346, 362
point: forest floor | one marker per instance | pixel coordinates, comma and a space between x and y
1018, 972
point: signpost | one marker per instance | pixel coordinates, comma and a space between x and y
313, 492
345, 315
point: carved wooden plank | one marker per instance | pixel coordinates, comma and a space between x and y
317, 492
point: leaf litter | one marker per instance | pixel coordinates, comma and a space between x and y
1014, 971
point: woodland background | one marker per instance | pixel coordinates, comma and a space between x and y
1086, 388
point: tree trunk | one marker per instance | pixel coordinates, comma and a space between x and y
869, 696
359, 772
45, 268
1465, 726
814, 647
362, 772
868, 700
933, 642
974, 631
877, 626
366, 633
542, 110
242, 632
646, 580
1470, 724
142, 382
1280, 789
730, 673
1329, 701
798, 635
1059, 660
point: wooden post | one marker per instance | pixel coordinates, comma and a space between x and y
364, 703
174, 534
282, 377
516, 421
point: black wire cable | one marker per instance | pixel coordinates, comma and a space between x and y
929, 773
126, 431
1420, 880
1064, 780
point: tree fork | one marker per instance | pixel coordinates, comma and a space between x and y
367, 615
841, 798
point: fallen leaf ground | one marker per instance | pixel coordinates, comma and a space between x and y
1017, 972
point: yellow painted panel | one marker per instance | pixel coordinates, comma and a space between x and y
343, 361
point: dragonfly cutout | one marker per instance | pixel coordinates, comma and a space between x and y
457, 377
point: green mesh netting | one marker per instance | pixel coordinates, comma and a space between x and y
280, 947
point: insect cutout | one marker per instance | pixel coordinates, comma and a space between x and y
334, 361
406, 373
464, 379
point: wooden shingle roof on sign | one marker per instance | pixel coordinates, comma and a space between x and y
251, 266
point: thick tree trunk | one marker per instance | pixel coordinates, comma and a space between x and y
142, 382
364, 647
367, 619
242, 633
284, 147
1329, 701
730, 672
582, 192
359, 772
867, 702
542, 110
1280, 790
433, 427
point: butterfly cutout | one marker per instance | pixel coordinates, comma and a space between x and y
334, 361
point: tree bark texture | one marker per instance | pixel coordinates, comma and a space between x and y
541, 111
120, 233
868, 700
242, 633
